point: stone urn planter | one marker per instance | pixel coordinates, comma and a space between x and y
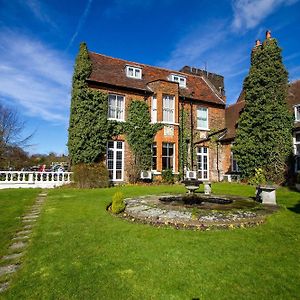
207, 187
191, 185
266, 194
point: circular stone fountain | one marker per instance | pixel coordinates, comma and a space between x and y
196, 211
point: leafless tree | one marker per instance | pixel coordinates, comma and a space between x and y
11, 132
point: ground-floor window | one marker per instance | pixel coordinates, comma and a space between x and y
168, 156
297, 163
154, 157
234, 165
115, 160
202, 162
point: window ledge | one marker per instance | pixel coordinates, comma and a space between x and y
203, 129
113, 119
168, 123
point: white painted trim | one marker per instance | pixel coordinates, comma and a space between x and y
134, 69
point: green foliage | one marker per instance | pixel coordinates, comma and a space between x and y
263, 138
89, 129
140, 133
118, 204
91, 175
298, 178
167, 176
259, 177
184, 136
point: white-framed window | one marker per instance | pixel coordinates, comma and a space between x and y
133, 72
153, 109
180, 79
202, 118
202, 163
168, 157
297, 143
115, 160
116, 104
234, 165
168, 109
154, 157
297, 113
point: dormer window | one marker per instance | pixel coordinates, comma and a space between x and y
133, 72
297, 113
180, 79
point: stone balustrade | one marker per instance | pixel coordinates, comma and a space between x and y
27, 179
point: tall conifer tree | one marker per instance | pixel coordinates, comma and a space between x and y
264, 134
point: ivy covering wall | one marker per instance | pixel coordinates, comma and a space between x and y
89, 129
263, 138
140, 133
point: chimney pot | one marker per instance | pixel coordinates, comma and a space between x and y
257, 43
268, 34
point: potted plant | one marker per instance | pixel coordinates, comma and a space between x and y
297, 185
265, 191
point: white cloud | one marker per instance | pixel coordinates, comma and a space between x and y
250, 13
193, 48
39, 12
35, 77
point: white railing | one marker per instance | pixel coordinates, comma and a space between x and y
26, 179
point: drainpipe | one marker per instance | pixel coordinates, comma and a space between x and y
218, 161
182, 142
192, 137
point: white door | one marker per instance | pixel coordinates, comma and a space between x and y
202, 163
115, 160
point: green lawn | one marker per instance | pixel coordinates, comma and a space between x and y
13, 203
79, 251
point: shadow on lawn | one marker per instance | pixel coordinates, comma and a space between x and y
296, 208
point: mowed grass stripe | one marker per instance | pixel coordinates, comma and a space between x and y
82, 252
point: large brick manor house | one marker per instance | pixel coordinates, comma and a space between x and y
199, 94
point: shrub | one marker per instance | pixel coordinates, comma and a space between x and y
118, 204
167, 176
91, 175
259, 177
298, 178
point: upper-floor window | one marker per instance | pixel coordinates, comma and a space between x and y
133, 72
297, 113
153, 109
116, 105
168, 109
180, 79
202, 118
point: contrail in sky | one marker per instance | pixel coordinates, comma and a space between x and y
80, 23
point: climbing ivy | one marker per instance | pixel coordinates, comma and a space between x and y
140, 133
184, 137
89, 129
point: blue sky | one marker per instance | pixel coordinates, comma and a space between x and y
39, 41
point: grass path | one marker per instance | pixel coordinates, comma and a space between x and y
79, 251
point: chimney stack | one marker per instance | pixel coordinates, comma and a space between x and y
268, 34
257, 43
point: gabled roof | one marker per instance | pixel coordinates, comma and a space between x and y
232, 112
109, 70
